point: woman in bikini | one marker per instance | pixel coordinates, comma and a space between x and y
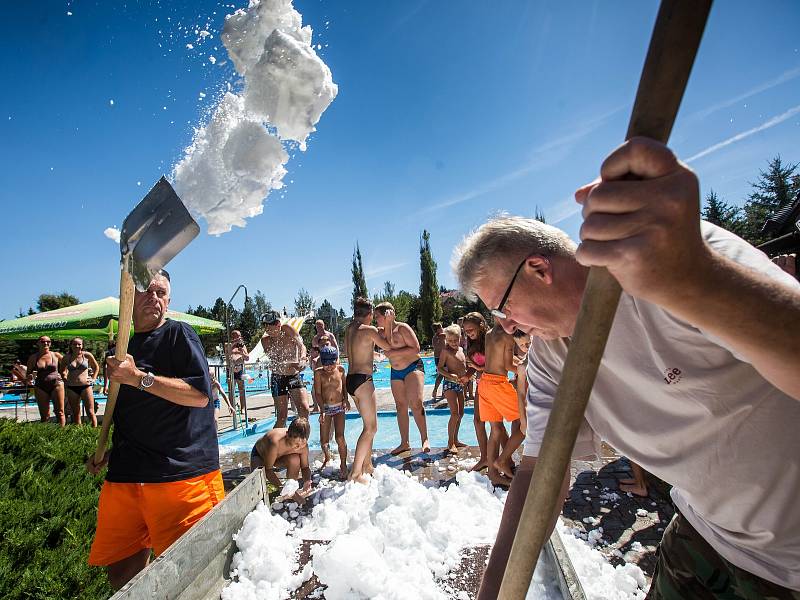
74, 367
49, 386
475, 329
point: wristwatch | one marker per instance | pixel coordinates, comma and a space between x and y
148, 379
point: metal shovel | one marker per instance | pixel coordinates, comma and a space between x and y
152, 235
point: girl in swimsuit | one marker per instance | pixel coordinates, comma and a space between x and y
48, 384
475, 329
75, 367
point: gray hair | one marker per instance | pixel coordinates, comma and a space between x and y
504, 238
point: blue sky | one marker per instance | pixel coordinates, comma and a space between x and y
447, 113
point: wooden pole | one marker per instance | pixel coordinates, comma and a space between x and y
126, 292
673, 46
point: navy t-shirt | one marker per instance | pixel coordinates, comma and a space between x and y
156, 440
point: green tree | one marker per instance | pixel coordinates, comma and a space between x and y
303, 303
335, 321
53, 301
539, 215
359, 282
406, 307
262, 305
775, 187
247, 322
430, 305
721, 213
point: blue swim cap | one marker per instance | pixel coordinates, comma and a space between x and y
328, 355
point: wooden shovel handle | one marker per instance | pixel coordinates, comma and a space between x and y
673, 46
126, 290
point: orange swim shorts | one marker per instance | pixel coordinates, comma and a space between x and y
135, 516
498, 399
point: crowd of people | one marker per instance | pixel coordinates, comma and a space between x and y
698, 386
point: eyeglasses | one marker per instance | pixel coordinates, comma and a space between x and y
498, 312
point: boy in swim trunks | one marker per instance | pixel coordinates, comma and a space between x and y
285, 448
329, 389
360, 341
499, 403
452, 366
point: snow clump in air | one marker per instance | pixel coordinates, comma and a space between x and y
112, 233
234, 161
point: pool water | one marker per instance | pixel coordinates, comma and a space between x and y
260, 383
387, 437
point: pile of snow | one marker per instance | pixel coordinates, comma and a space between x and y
391, 538
598, 578
239, 156
396, 538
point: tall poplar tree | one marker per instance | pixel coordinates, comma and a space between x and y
430, 303
359, 282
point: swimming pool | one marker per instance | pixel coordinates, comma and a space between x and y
387, 436
260, 382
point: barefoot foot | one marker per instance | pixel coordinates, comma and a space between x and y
426, 446
461, 444
506, 467
498, 479
479, 466
453, 449
400, 449
343, 472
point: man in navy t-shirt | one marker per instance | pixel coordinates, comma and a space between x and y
163, 468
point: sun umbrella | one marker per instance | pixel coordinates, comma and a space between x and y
95, 320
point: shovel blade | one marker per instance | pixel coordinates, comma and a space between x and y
155, 231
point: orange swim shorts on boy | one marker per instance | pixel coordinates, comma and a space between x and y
498, 398
135, 516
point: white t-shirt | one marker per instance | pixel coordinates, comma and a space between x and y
683, 406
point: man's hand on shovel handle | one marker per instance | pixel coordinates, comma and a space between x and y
641, 222
124, 372
93, 467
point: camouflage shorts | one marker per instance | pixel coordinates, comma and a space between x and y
688, 567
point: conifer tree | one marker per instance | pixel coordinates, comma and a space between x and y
775, 188
430, 304
359, 282
721, 213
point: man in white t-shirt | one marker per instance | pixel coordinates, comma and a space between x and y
698, 383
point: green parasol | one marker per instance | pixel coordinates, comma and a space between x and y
95, 320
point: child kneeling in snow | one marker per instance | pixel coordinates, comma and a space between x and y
285, 448
331, 394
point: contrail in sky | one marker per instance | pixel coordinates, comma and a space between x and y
745, 134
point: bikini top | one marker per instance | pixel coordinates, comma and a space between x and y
80, 365
50, 369
479, 358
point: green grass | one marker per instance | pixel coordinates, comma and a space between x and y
48, 513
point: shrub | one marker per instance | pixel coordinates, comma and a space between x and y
48, 512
